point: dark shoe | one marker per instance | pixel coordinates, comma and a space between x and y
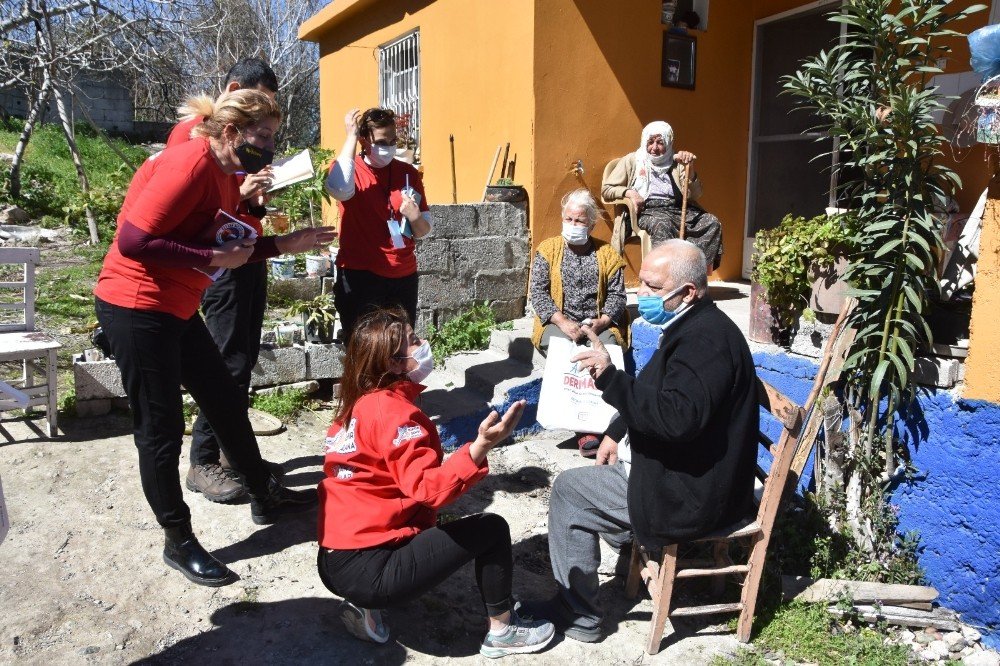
563, 619
214, 483
279, 501
182, 551
272, 467
588, 445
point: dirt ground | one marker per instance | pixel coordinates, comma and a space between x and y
82, 580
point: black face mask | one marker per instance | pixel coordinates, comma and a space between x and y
253, 158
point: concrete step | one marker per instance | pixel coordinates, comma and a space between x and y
490, 373
516, 344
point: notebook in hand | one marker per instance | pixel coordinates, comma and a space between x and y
291, 170
224, 228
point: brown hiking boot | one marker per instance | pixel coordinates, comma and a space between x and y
214, 483
274, 468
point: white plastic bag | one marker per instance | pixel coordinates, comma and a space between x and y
569, 400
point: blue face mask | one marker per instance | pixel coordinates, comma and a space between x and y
651, 308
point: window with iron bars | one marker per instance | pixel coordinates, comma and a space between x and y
399, 85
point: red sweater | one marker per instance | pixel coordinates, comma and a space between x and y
365, 243
385, 479
174, 194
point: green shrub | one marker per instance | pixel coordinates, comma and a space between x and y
282, 404
468, 331
50, 191
782, 257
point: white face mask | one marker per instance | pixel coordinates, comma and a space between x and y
425, 363
379, 156
575, 234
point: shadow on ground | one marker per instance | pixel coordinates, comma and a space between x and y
295, 631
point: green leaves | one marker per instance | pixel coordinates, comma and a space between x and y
784, 254
871, 94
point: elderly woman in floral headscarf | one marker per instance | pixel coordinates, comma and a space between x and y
652, 178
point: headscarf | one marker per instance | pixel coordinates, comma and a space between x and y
647, 165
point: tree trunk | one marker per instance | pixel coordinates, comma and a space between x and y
81, 173
37, 108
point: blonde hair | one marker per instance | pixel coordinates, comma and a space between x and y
584, 200
242, 107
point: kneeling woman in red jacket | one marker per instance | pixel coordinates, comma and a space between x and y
385, 480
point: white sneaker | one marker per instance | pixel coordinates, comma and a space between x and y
364, 623
523, 635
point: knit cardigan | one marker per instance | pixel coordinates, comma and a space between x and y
608, 262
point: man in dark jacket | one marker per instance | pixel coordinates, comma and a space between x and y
679, 460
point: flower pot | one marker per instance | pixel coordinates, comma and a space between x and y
829, 290
317, 334
317, 265
508, 193
764, 326
282, 268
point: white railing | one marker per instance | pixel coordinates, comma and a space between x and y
399, 79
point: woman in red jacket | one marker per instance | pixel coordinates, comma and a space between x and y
385, 481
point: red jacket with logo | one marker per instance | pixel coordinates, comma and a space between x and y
385, 473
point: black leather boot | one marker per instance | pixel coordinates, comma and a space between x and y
279, 501
183, 552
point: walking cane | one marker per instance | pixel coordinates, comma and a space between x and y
684, 198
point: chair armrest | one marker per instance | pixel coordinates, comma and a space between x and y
628, 203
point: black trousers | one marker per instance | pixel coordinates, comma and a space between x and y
156, 353
357, 292
233, 307
379, 577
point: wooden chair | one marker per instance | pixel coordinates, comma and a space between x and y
622, 206
659, 574
19, 341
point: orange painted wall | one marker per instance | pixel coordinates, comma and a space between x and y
476, 73
597, 83
982, 373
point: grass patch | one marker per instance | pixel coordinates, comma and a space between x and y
806, 632
65, 293
282, 404
468, 331
49, 188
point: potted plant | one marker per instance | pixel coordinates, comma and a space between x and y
788, 262
303, 201
504, 189
318, 316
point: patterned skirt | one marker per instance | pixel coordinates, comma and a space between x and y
661, 219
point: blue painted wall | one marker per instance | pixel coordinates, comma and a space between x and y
954, 500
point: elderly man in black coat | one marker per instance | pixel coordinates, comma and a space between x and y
679, 460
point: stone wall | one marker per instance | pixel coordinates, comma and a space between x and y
476, 252
104, 97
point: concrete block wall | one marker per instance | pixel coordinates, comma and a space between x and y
476, 252
98, 384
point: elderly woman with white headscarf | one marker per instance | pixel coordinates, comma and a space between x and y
652, 178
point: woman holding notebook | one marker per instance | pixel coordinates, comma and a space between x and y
382, 211
147, 299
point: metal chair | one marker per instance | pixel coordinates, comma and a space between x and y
659, 573
20, 342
